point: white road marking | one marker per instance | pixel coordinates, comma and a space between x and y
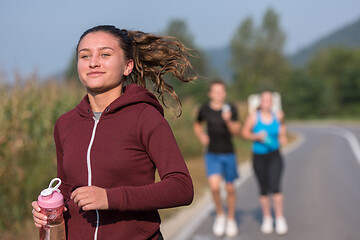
341, 132
351, 138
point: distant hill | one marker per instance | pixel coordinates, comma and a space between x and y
348, 36
219, 62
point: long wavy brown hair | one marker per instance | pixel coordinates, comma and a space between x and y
154, 57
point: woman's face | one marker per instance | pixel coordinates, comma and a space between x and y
266, 101
101, 62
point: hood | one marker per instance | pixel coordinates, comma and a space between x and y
132, 94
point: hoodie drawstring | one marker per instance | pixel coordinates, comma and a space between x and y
88, 162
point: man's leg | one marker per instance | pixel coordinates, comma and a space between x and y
230, 176
220, 219
231, 200
214, 183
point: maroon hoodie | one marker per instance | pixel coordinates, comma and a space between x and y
120, 153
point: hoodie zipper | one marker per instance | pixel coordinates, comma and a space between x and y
88, 162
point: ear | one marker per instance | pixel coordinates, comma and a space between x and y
129, 67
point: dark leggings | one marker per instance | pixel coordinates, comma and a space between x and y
160, 237
268, 170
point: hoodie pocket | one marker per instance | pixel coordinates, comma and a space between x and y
130, 223
80, 224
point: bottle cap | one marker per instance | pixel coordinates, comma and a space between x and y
51, 196
225, 108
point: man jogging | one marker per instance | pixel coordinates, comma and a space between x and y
222, 123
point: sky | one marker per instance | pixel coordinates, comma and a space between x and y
40, 36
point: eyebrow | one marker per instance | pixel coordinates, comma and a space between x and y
102, 48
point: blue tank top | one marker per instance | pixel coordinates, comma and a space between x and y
271, 142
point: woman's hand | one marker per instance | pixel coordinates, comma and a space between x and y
39, 218
90, 198
260, 136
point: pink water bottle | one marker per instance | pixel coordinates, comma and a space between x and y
51, 202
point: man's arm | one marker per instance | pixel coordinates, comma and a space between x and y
201, 134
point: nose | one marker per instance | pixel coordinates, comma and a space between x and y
94, 62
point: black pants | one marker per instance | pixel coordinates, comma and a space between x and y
268, 169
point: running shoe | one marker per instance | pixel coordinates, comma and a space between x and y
267, 225
281, 226
231, 228
219, 225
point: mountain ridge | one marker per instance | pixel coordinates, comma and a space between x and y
347, 36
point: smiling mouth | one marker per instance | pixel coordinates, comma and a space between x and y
95, 73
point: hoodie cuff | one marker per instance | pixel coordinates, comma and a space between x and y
115, 198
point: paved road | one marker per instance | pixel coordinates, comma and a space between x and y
321, 186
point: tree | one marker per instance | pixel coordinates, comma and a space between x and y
338, 70
302, 95
178, 28
257, 56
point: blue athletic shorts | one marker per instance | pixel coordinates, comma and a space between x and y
223, 164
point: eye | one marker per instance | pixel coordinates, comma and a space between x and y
105, 55
84, 56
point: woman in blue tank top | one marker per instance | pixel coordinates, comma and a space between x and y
268, 132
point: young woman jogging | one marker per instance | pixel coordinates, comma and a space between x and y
109, 146
268, 131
